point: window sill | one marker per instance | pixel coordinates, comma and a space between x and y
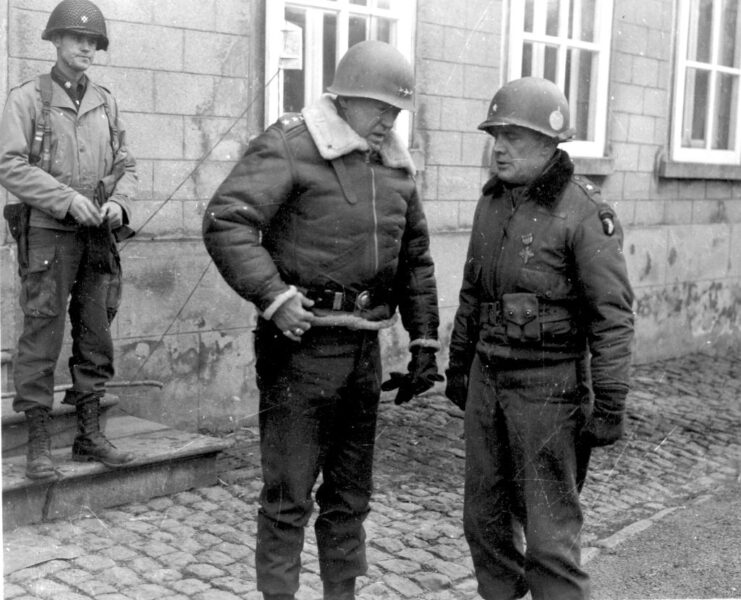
592, 166
668, 169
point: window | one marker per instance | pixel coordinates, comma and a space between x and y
305, 40
705, 121
567, 42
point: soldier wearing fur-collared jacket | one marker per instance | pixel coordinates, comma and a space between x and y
540, 350
320, 225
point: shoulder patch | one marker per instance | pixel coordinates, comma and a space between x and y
604, 211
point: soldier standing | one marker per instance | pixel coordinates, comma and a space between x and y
63, 156
545, 301
320, 225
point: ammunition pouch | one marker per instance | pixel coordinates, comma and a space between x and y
520, 316
522, 319
17, 216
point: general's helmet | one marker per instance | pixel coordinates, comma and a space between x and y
533, 103
377, 70
79, 16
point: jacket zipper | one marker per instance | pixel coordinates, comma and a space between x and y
375, 214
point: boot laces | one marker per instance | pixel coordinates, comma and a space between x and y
39, 439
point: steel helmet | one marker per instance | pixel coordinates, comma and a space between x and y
377, 70
533, 103
79, 16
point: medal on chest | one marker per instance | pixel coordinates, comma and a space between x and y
526, 253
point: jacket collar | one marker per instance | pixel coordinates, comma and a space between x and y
547, 187
334, 137
92, 99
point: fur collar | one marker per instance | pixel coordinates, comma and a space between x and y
334, 137
547, 188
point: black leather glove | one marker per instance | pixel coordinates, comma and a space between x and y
421, 375
606, 424
456, 389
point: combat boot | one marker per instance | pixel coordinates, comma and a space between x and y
90, 443
339, 590
38, 459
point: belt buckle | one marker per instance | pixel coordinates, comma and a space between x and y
337, 300
363, 300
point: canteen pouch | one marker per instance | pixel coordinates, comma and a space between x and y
520, 317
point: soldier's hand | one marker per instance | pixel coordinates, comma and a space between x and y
456, 390
84, 211
603, 428
421, 375
113, 214
292, 318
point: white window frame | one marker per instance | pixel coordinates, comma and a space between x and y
702, 155
402, 12
600, 46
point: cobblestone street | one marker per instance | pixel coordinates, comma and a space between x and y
682, 441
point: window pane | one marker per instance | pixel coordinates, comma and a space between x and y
551, 27
383, 29
529, 12
293, 79
539, 60
724, 134
329, 49
729, 34
358, 30
359, 2
527, 59
580, 77
701, 27
384, 4
694, 125
583, 15
550, 64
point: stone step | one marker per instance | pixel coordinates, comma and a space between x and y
166, 461
62, 425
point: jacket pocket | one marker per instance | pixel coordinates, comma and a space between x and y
39, 284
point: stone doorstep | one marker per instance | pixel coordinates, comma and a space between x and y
166, 461
62, 426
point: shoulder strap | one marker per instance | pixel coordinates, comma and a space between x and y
112, 125
40, 154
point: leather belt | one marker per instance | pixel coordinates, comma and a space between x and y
490, 313
340, 299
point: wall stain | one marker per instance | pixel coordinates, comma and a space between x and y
159, 281
646, 270
720, 215
672, 257
711, 310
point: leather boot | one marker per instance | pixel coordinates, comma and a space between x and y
38, 459
90, 443
278, 596
339, 590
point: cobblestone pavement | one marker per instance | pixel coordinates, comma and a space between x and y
682, 441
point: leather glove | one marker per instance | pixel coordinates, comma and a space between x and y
456, 389
606, 425
421, 375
